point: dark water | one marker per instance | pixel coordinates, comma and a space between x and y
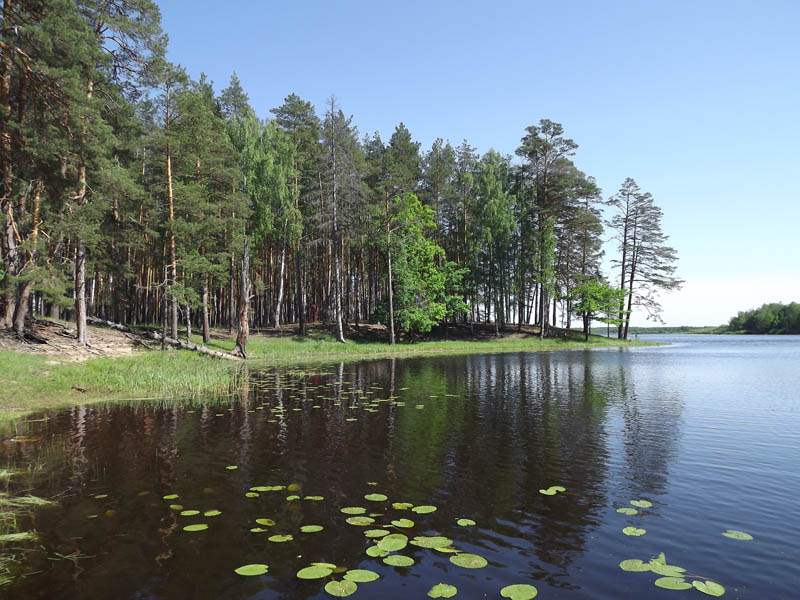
706, 429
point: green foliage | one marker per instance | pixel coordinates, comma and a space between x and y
774, 318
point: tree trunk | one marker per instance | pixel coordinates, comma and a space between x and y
206, 332
389, 290
301, 292
277, 315
240, 349
232, 295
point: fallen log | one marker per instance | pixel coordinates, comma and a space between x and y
157, 336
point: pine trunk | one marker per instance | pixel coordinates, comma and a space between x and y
244, 305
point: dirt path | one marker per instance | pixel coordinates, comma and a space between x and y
59, 341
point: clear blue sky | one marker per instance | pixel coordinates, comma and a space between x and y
697, 101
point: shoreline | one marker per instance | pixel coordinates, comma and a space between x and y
37, 382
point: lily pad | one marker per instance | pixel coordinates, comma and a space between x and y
189, 513
176, 506
292, 497
465, 522
634, 565
100, 496
376, 552
257, 530
251, 570
667, 570
171, 497
432, 541
280, 538
442, 590
519, 591
317, 571
469, 561
212, 513
376, 533
360, 521
265, 522
635, 531
642, 503
712, 588
231, 467
628, 511
393, 542
402, 505
404, 523
673, 583
548, 492
314, 498
398, 560
376, 497
311, 528
341, 589
423, 510
353, 510
737, 535
293, 487
361, 576
251, 495
558, 488
196, 527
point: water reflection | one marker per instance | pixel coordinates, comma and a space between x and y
476, 436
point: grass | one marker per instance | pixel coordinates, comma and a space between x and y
37, 382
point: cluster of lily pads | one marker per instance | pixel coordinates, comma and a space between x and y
627, 510
672, 577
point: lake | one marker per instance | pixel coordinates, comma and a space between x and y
707, 430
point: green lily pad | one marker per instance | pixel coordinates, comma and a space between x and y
628, 511
251, 495
100, 496
548, 492
293, 497
361, 576
423, 510
465, 522
667, 570
353, 510
673, 583
642, 503
251, 570
432, 541
360, 521
280, 538
402, 505
171, 497
311, 528
393, 542
176, 506
257, 530
265, 522
376, 552
341, 589
189, 513
212, 513
404, 523
398, 560
293, 487
558, 488
737, 535
231, 467
712, 588
469, 561
519, 591
442, 590
196, 527
317, 571
376, 497
447, 550
376, 533
314, 498
635, 531
634, 565
331, 566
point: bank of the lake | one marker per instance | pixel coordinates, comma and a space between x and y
32, 382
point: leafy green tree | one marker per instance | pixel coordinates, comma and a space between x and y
594, 299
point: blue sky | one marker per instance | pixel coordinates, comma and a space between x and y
697, 101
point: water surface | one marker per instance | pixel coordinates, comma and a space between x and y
706, 429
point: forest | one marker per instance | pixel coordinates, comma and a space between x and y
774, 318
133, 193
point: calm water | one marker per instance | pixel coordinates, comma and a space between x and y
707, 429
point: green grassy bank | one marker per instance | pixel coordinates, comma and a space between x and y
35, 382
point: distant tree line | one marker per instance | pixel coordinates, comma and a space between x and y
772, 318
133, 193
